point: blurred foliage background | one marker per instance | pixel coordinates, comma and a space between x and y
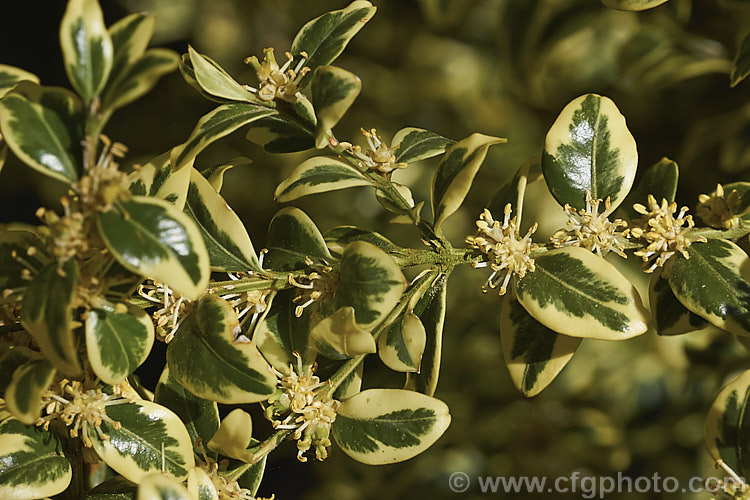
500, 67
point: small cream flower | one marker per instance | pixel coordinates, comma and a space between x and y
717, 210
593, 231
664, 234
505, 253
378, 156
226, 489
316, 286
174, 307
276, 82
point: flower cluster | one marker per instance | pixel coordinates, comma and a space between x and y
663, 233
718, 209
104, 184
276, 82
378, 155
591, 230
502, 249
316, 286
227, 489
309, 416
173, 307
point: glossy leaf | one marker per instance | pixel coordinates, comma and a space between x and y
228, 244
727, 424
713, 283
333, 92
318, 175
413, 144
589, 148
47, 314
215, 174
292, 238
370, 282
402, 346
455, 174
44, 127
669, 315
139, 78
632, 4
130, 36
10, 76
741, 64
278, 133
339, 337
156, 486
200, 486
234, 435
86, 47
150, 439
576, 293
200, 416
207, 359
23, 396
213, 126
156, 240
351, 385
384, 426
157, 179
280, 333
660, 180
339, 237
325, 37
32, 464
215, 81
118, 341
533, 353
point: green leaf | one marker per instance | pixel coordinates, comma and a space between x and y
339, 337
713, 283
32, 464
228, 244
200, 486
215, 81
24, 394
117, 488
413, 144
154, 239
47, 314
333, 92
431, 311
279, 133
139, 78
727, 427
741, 64
86, 47
9, 361
669, 315
402, 346
200, 416
318, 175
339, 237
150, 438
207, 358
632, 4
456, 172
10, 76
215, 174
370, 282
576, 293
533, 353
514, 192
117, 341
385, 426
213, 126
325, 37
589, 148
660, 180
156, 486
130, 36
280, 333
292, 238
44, 127
351, 385
157, 179
234, 435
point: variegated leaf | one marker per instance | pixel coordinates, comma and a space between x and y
533, 353
669, 315
207, 358
215, 174
118, 339
47, 314
117, 488
741, 64
200, 416
431, 311
279, 133
325, 37
200, 486
130, 36
9, 361
576, 293
228, 244
456, 172
213, 126
86, 47
660, 180
32, 464
742, 207
370, 282
713, 283
157, 486
339, 337
10, 76
402, 346
351, 385
154, 239
413, 144
188, 74
589, 148
333, 92
23, 396
280, 333
292, 238
234, 435
215, 81
339, 237
139, 78
149, 438
636, 5
726, 425
44, 127
385, 426
514, 192
157, 179
318, 175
